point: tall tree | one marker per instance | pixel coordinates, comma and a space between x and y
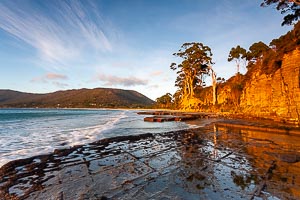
165, 101
196, 58
257, 51
238, 54
291, 9
214, 85
287, 42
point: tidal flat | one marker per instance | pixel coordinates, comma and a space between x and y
213, 162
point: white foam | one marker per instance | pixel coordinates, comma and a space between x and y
43, 136
90, 134
35, 136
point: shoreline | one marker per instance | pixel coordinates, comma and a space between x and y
109, 124
227, 122
227, 115
132, 155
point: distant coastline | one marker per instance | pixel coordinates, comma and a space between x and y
81, 98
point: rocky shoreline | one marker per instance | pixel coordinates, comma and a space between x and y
219, 161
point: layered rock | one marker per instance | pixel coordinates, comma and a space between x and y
277, 94
213, 162
259, 94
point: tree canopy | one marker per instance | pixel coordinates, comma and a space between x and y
271, 56
291, 9
256, 51
196, 59
238, 54
165, 101
287, 42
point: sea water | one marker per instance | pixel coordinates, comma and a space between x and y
29, 132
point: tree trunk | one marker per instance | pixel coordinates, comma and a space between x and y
214, 86
238, 67
191, 87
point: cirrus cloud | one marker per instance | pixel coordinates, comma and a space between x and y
56, 76
62, 32
49, 76
52, 78
156, 73
111, 80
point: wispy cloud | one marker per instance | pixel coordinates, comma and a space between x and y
156, 73
60, 31
56, 76
110, 80
52, 78
49, 76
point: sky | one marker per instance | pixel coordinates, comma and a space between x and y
46, 46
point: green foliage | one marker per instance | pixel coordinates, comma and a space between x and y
237, 54
196, 59
257, 51
287, 42
291, 9
165, 101
271, 56
220, 80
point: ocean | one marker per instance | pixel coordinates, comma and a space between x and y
29, 132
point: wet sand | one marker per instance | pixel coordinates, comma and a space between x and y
217, 161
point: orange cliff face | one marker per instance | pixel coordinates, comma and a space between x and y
277, 94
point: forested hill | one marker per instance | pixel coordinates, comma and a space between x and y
81, 98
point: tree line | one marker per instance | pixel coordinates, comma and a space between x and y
197, 64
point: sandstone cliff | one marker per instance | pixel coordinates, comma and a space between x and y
273, 95
269, 89
277, 94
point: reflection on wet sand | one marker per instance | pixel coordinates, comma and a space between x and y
214, 162
274, 158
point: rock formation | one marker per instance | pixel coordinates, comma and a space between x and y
257, 93
277, 94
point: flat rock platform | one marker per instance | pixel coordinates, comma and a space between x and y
165, 116
212, 162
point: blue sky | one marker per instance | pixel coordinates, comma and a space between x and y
47, 46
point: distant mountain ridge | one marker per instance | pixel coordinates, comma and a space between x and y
76, 98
